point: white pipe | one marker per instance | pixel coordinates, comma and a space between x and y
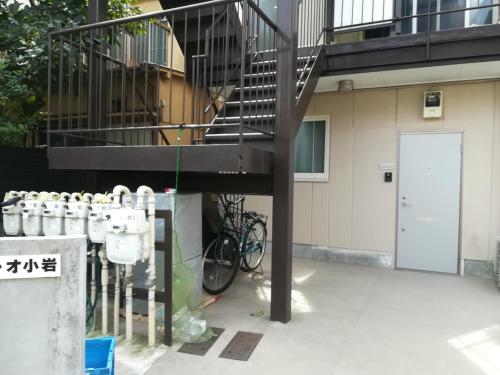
93, 288
128, 302
53, 196
127, 202
104, 277
98, 198
64, 196
141, 191
87, 197
12, 194
43, 196
74, 197
117, 192
32, 195
116, 311
93, 285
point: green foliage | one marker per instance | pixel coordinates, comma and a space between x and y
24, 56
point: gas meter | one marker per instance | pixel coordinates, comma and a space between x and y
127, 235
53, 214
77, 214
32, 209
12, 221
99, 211
127, 230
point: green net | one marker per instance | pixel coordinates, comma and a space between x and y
188, 324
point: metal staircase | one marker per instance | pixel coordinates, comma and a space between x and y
252, 106
227, 83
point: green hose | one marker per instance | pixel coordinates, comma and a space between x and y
178, 161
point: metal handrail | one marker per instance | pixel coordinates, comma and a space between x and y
314, 49
249, 40
142, 17
145, 16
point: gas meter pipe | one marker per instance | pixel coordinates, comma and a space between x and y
127, 198
104, 280
141, 192
129, 277
116, 310
127, 201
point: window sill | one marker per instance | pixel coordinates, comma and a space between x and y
310, 177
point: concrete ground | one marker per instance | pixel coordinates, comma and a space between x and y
353, 320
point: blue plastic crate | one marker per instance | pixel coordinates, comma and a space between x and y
100, 356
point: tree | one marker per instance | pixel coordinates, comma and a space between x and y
24, 56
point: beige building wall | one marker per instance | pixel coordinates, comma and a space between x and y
356, 209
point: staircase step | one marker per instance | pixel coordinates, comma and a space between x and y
250, 102
269, 62
263, 87
244, 117
273, 73
258, 87
235, 136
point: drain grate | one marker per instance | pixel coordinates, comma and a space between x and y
241, 346
202, 348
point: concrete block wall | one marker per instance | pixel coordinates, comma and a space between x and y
42, 321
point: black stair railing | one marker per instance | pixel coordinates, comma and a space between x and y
311, 38
247, 107
137, 80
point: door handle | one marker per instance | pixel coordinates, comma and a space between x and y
403, 202
403, 229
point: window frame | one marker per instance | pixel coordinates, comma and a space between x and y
317, 177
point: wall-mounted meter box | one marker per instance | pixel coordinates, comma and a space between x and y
433, 104
12, 222
53, 216
76, 217
32, 217
98, 216
127, 235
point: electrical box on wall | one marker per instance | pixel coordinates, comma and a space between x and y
433, 104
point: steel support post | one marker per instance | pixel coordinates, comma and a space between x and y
281, 278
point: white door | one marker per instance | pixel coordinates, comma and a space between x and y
429, 202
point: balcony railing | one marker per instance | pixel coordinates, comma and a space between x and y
145, 79
367, 19
208, 71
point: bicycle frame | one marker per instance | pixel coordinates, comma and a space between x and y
236, 222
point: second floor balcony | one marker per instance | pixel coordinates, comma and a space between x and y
208, 74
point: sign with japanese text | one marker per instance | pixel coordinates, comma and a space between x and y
30, 266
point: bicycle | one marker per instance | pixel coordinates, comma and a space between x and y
240, 243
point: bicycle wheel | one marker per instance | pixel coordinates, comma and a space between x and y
254, 245
220, 263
